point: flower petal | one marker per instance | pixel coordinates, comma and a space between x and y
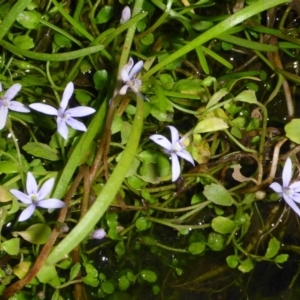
295, 186
62, 128
275, 186
21, 196
3, 116
44, 108
76, 124
161, 140
45, 189
26, 213
126, 15
80, 111
98, 234
124, 89
31, 185
287, 173
175, 167
136, 69
51, 203
13, 91
174, 134
17, 106
296, 197
292, 204
126, 69
186, 155
68, 92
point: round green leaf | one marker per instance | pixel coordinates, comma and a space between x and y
196, 248
223, 225
292, 130
210, 124
104, 15
232, 261
217, 194
273, 248
107, 287
246, 265
35, 234
215, 241
141, 224
23, 42
12, 246
124, 283
100, 79
148, 275
29, 19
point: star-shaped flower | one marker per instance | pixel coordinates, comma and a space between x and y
128, 75
289, 191
36, 197
6, 103
64, 115
174, 148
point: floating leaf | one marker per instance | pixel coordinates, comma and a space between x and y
196, 248
232, 261
42, 150
124, 283
107, 287
148, 275
35, 234
223, 225
217, 194
215, 241
210, 124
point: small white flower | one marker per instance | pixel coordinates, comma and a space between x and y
64, 115
128, 75
126, 15
6, 103
36, 197
174, 148
98, 234
289, 192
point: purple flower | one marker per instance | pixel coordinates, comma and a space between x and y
98, 234
64, 115
6, 103
174, 148
128, 75
36, 197
289, 192
126, 15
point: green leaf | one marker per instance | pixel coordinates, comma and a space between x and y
215, 241
141, 224
247, 96
90, 280
246, 265
12, 246
36, 234
8, 167
232, 261
210, 124
100, 79
120, 248
29, 19
217, 194
74, 271
292, 130
21, 269
107, 287
148, 275
281, 258
273, 248
104, 15
91, 270
23, 42
216, 97
42, 150
61, 41
196, 248
223, 225
5, 195
46, 274
148, 39
124, 283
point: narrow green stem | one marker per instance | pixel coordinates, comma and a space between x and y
108, 193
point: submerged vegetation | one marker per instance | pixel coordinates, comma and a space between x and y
142, 149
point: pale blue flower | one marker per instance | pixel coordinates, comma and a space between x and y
98, 234
64, 115
126, 15
128, 75
36, 197
175, 148
6, 103
289, 191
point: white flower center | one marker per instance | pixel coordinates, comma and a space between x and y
34, 198
177, 147
289, 192
134, 84
4, 102
61, 113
